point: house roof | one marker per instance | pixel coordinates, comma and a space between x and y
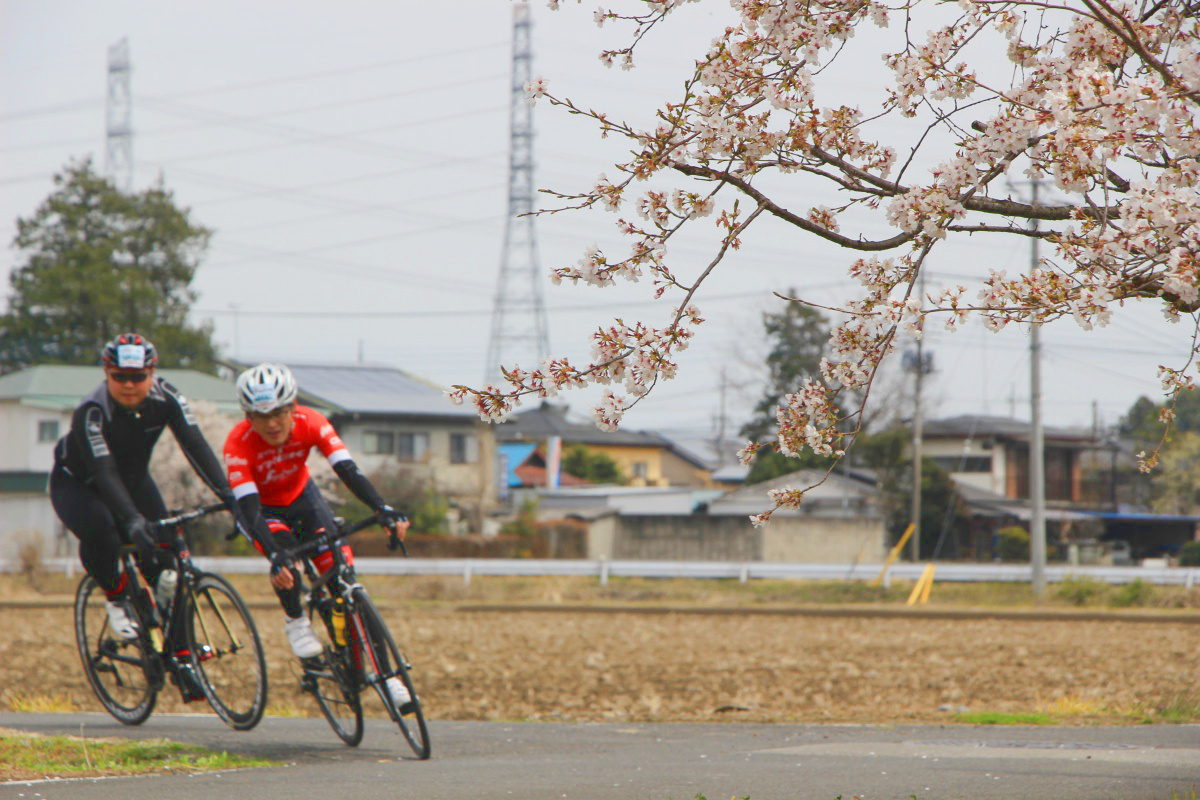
535, 475
61, 387
977, 426
371, 389
837, 495
549, 419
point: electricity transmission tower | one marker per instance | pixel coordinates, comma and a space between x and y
118, 161
519, 330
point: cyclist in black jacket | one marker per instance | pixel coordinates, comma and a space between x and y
101, 486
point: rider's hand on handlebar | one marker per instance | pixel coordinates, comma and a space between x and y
282, 563
141, 534
395, 522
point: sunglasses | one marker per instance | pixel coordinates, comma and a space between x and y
129, 377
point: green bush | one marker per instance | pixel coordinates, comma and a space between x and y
1081, 591
1135, 593
1189, 555
1012, 543
524, 524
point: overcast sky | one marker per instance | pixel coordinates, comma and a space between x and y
352, 159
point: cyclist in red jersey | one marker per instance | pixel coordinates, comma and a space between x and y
265, 457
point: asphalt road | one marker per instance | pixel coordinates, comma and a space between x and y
552, 761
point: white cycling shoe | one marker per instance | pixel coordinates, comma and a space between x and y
398, 691
119, 622
301, 637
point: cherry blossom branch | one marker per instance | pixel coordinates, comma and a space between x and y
1101, 102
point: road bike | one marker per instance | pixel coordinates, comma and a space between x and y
360, 652
205, 621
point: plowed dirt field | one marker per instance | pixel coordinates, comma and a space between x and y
695, 662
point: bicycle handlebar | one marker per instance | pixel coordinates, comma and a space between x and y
181, 517
329, 537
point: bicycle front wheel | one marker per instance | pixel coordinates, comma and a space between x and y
381, 659
226, 652
331, 679
117, 669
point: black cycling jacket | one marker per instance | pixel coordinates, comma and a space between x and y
109, 447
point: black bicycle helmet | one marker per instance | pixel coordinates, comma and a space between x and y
129, 351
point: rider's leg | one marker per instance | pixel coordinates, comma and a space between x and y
314, 516
301, 636
86, 516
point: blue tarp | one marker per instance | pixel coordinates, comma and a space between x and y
515, 454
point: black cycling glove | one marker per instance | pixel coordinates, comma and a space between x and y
281, 559
141, 534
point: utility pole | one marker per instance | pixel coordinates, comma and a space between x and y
720, 443
920, 367
914, 544
520, 333
118, 159
1037, 477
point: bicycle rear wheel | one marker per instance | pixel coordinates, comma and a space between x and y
226, 652
382, 659
121, 672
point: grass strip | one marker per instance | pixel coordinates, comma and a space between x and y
30, 756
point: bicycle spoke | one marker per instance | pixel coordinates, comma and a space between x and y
336, 693
118, 671
386, 663
226, 653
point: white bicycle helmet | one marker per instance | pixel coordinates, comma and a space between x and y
264, 388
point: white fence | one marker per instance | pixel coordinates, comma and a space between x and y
742, 571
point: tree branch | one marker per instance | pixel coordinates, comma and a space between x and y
787, 216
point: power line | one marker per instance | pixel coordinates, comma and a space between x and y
422, 59
457, 312
76, 105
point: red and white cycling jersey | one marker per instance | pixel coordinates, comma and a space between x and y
279, 474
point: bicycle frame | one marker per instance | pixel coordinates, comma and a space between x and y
197, 642
363, 653
181, 560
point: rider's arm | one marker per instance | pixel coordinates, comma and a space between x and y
87, 426
251, 511
334, 449
357, 483
193, 444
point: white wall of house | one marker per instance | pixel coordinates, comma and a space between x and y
29, 435
807, 539
28, 518
971, 453
790, 538
456, 459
